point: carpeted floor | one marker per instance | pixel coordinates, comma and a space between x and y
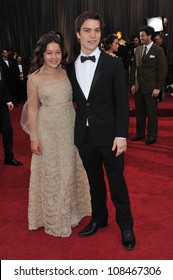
149, 175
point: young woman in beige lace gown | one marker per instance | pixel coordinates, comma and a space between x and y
58, 192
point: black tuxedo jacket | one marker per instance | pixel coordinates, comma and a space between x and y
4, 94
11, 72
107, 107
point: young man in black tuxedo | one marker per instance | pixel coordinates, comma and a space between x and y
5, 124
101, 96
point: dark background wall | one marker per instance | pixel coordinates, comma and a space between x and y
22, 22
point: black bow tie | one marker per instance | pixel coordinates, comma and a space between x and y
84, 58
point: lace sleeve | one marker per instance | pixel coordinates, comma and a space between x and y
30, 110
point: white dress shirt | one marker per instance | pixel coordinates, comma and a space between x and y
20, 68
85, 71
6, 61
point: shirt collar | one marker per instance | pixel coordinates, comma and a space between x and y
149, 46
96, 52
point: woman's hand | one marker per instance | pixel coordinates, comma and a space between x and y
36, 147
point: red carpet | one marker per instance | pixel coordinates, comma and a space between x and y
149, 175
165, 108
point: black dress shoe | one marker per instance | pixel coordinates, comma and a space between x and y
128, 239
150, 141
13, 162
92, 228
136, 138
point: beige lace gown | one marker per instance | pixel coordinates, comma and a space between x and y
58, 192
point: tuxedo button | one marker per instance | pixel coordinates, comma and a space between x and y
88, 104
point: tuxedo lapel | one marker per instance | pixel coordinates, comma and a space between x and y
150, 50
75, 81
98, 71
5, 64
138, 56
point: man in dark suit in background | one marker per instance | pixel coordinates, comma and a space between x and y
148, 72
101, 127
11, 74
5, 123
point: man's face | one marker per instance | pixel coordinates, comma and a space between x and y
144, 38
89, 35
158, 40
136, 41
5, 53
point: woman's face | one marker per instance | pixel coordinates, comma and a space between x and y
53, 55
115, 45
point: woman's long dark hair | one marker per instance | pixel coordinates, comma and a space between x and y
37, 59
